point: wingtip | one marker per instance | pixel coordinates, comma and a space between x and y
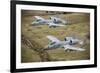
81, 49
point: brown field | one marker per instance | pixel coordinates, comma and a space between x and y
79, 26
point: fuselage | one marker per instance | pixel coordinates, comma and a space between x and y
47, 21
61, 44
58, 44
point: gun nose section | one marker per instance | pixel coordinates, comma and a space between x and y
63, 21
81, 42
33, 22
46, 47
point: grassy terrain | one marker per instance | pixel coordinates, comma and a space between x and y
79, 26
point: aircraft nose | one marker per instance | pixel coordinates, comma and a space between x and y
64, 22
33, 22
81, 42
46, 46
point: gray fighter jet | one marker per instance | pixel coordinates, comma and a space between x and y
52, 22
67, 44
57, 20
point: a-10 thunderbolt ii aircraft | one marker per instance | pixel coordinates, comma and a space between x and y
52, 22
57, 20
67, 44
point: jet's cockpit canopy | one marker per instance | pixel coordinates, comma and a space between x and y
68, 38
38, 20
52, 43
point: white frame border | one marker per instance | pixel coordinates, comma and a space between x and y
20, 65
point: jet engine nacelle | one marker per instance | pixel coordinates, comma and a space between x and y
71, 40
56, 20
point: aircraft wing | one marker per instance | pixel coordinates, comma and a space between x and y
73, 48
39, 18
53, 24
53, 39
